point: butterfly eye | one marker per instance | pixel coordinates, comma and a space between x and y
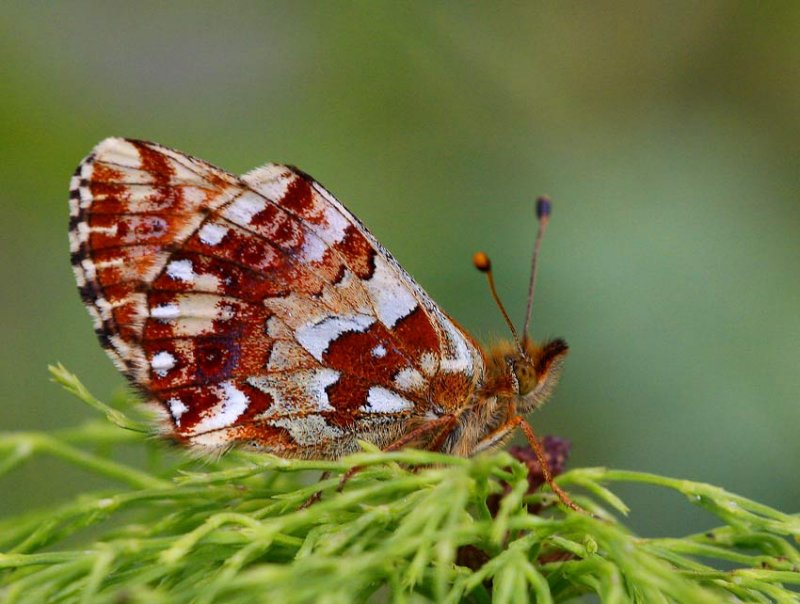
526, 375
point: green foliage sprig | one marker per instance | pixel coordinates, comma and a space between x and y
412, 526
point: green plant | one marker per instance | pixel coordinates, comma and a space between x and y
412, 526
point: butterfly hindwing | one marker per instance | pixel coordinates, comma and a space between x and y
256, 309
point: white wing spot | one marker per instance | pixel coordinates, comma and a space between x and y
314, 249
316, 338
212, 234
181, 270
89, 269
162, 362
104, 308
409, 379
165, 312
177, 408
379, 351
109, 231
242, 210
335, 224
83, 231
429, 363
392, 299
233, 402
463, 361
383, 400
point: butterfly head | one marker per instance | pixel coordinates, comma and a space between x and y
534, 370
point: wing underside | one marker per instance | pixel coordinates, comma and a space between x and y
256, 309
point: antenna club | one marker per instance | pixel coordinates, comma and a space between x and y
543, 207
482, 262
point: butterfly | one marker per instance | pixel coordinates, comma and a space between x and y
257, 311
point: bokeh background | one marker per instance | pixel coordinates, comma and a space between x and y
668, 140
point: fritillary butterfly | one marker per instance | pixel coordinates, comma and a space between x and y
256, 310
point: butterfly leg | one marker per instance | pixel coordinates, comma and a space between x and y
441, 425
530, 436
318, 495
438, 442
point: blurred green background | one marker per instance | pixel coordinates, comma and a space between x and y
668, 140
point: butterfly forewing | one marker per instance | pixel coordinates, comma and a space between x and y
257, 309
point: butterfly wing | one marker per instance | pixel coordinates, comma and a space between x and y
257, 309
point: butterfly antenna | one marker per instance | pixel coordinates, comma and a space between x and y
543, 207
484, 265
